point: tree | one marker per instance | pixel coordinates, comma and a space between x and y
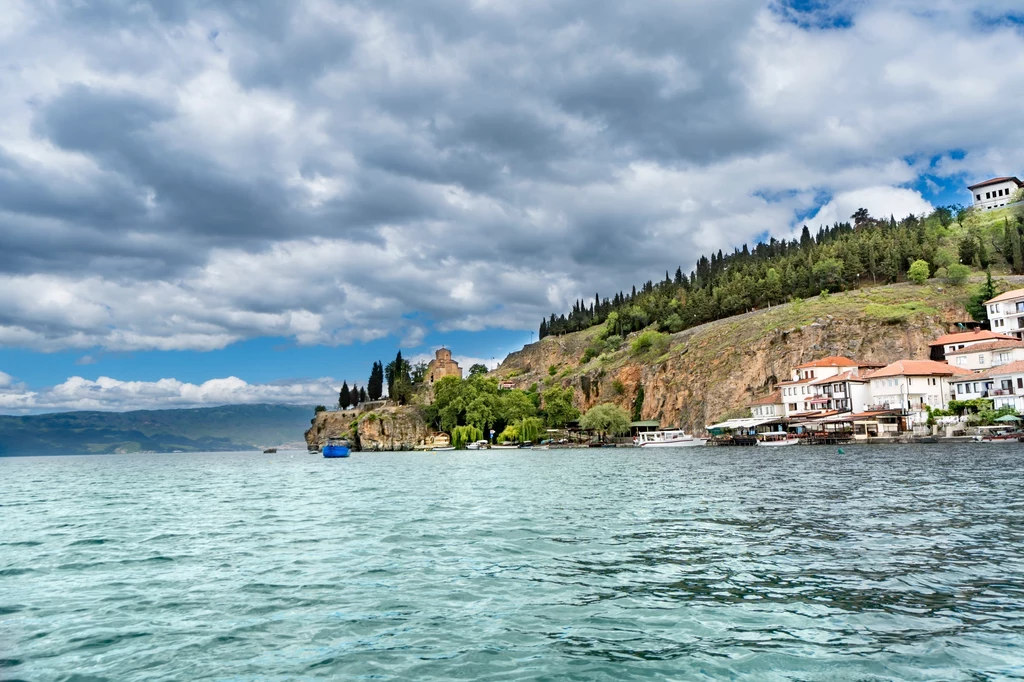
957, 274
860, 216
477, 369
362, 395
918, 273
399, 381
606, 418
344, 397
558, 407
353, 396
638, 404
375, 386
419, 372
828, 274
319, 408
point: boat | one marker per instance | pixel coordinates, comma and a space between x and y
479, 445
506, 446
667, 439
778, 439
269, 451
336, 447
442, 448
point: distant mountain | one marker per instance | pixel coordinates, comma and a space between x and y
230, 427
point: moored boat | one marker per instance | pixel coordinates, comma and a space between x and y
777, 440
479, 445
667, 439
336, 447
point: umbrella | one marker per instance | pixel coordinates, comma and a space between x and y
1008, 418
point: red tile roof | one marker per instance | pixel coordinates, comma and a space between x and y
988, 345
966, 337
1008, 368
1008, 296
770, 399
995, 181
850, 375
917, 368
830, 361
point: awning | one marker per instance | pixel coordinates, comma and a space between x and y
745, 423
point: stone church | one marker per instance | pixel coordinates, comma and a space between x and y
443, 366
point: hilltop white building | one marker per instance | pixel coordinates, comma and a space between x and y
995, 192
1006, 312
983, 356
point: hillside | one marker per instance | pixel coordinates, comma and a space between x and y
230, 427
698, 376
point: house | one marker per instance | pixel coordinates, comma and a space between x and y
1004, 385
844, 392
950, 343
1006, 313
443, 366
913, 385
983, 356
995, 192
828, 384
769, 406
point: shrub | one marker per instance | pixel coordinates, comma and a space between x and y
919, 271
618, 387
319, 408
552, 370
957, 274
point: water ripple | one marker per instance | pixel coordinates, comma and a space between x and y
898, 563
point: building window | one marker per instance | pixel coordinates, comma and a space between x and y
960, 388
1020, 382
981, 358
988, 195
961, 360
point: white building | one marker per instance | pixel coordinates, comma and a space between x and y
951, 343
983, 356
913, 384
769, 406
1006, 312
831, 383
995, 192
847, 391
1004, 385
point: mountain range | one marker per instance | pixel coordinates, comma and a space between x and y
224, 428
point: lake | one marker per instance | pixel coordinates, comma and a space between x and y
898, 562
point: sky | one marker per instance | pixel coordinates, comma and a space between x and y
206, 202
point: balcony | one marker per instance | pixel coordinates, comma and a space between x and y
1000, 391
879, 407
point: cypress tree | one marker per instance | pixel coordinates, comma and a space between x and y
362, 395
344, 396
353, 396
375, 386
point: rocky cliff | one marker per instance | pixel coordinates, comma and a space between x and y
707, 373
384, 428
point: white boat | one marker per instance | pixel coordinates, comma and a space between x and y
479, 445
666, 439
777, 440
445, 448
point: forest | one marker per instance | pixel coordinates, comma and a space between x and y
866, 251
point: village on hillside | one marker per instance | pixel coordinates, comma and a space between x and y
836, 399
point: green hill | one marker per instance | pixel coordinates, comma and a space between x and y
230, 427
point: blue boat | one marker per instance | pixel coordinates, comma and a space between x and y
336, 447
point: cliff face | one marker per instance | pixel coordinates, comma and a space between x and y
384, 428
707, 373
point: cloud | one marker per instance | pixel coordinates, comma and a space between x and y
105, 393
880, 201
186, 175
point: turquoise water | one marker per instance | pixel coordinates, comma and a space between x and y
796, 564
